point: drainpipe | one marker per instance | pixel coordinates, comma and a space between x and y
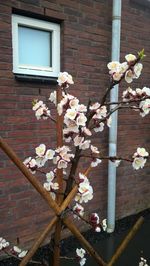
115, 56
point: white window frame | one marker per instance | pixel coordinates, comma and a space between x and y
53, 71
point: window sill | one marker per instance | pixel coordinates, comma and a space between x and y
36, 79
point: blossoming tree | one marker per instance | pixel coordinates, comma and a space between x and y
75, 124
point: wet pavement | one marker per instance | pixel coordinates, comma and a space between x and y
105, 244
137, 247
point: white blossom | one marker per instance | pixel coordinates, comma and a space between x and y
37, 105
99, 128
116, 69
82, 108
94, 106
23, 254
95, 162
129, 76
117, 76
83, 178
117, 162
146, 91
86, 131
81, 120
138, 163
85, 145
145, 106
71, 113
63, 78
109, 121
113, 66
133, 74
16, 249
62, 164
50, 176
85, 193
78, 140
49, 154
47, 186
69, 123
130, 57
60, 109
94, 221
19, 252
82, 261
143, 262
97, 229
53, 195
104, 224
61, 105
52, 97
137, 70
55, 186
128, 94
101, 112
31, 164
40, 161
41, 110
3, 243
138, 92
139, 158
74, 103
94, 149
78, 208
40, 150
80, 252
142, 152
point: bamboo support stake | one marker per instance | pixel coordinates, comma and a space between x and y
67, 221
59, 199
47, 230
31, 178
126, 240
38, 242
59, 130
12, 155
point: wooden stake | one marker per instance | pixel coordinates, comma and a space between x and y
126, 240
38, 242
67, 221
59, 199
58, 210
31, 178
47, 230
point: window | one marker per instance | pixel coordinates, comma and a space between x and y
36, 47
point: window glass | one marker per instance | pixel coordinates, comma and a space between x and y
34, 47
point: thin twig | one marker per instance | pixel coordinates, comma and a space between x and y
81, 217
20, 259
111, 158
129, 101
67, 258
53, 119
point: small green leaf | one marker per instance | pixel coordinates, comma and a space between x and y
34, 102
141, 54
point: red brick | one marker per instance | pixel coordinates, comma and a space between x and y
85, 52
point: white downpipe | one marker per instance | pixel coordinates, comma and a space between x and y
115, 56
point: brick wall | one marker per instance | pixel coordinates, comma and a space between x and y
133, 191
85, 51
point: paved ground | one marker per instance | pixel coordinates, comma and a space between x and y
105, 245
138, 246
